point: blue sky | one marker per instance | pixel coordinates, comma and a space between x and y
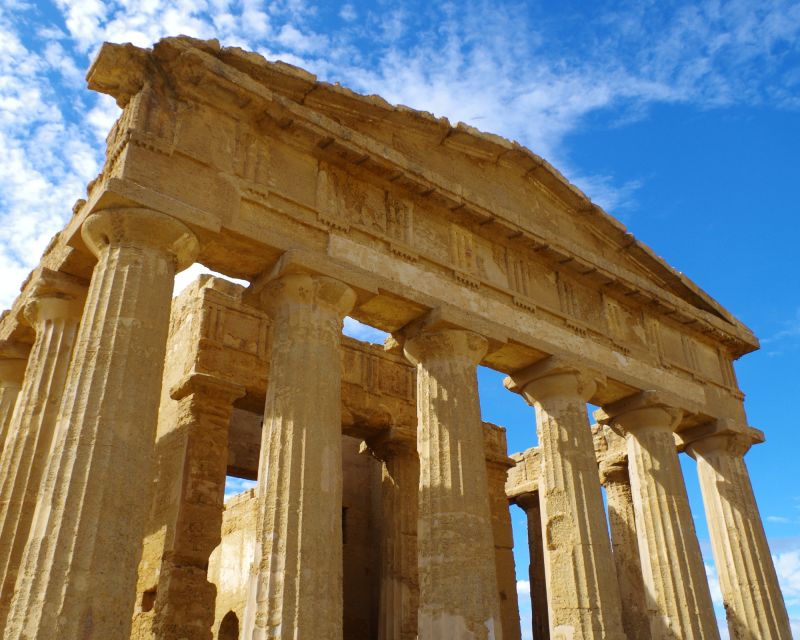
682, 119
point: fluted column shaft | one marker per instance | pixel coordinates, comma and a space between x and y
184, 606
25, 458
747, 577
537, 575
582, 588
678, 597
78, 574
12, 371
399, 591
625, 546
297, 586
456, 556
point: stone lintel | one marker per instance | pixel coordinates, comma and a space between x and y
299, 261
551, 366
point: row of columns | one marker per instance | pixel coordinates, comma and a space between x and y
660, 575
71, 561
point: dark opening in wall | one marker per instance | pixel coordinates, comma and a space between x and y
229, 627
148, 599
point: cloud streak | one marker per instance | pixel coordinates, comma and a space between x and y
501, 67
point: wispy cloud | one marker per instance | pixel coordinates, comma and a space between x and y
498, 66
363, 332
235, 486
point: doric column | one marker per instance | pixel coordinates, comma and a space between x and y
184, 606
747, 578
582, 588
78, 574
54, 311
297, 586
12, 371
399, 591
457, 575
678, 597
529, 502
613, 466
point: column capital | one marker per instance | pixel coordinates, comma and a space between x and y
304, 289
527, 500
554, 377
721, 436
207, 386
646, 409
445, 344
140, 227
54, 295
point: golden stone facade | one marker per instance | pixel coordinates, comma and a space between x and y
382, 505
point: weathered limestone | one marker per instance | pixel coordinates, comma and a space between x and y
529, 502
184, 604
54, 311
399, 590
613, 466
78, 573
747, 578
297, 586
12, 371
678, 596
582, 589
421, 220
457, 574
522, 489
497, 465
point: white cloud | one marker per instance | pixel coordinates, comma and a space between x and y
189, 275
523, 588
363, 332
348, 12
235, 486
787, 565
482, 63
713, 583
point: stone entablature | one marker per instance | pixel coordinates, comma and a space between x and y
542, 268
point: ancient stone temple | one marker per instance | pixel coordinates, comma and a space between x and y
382, 502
